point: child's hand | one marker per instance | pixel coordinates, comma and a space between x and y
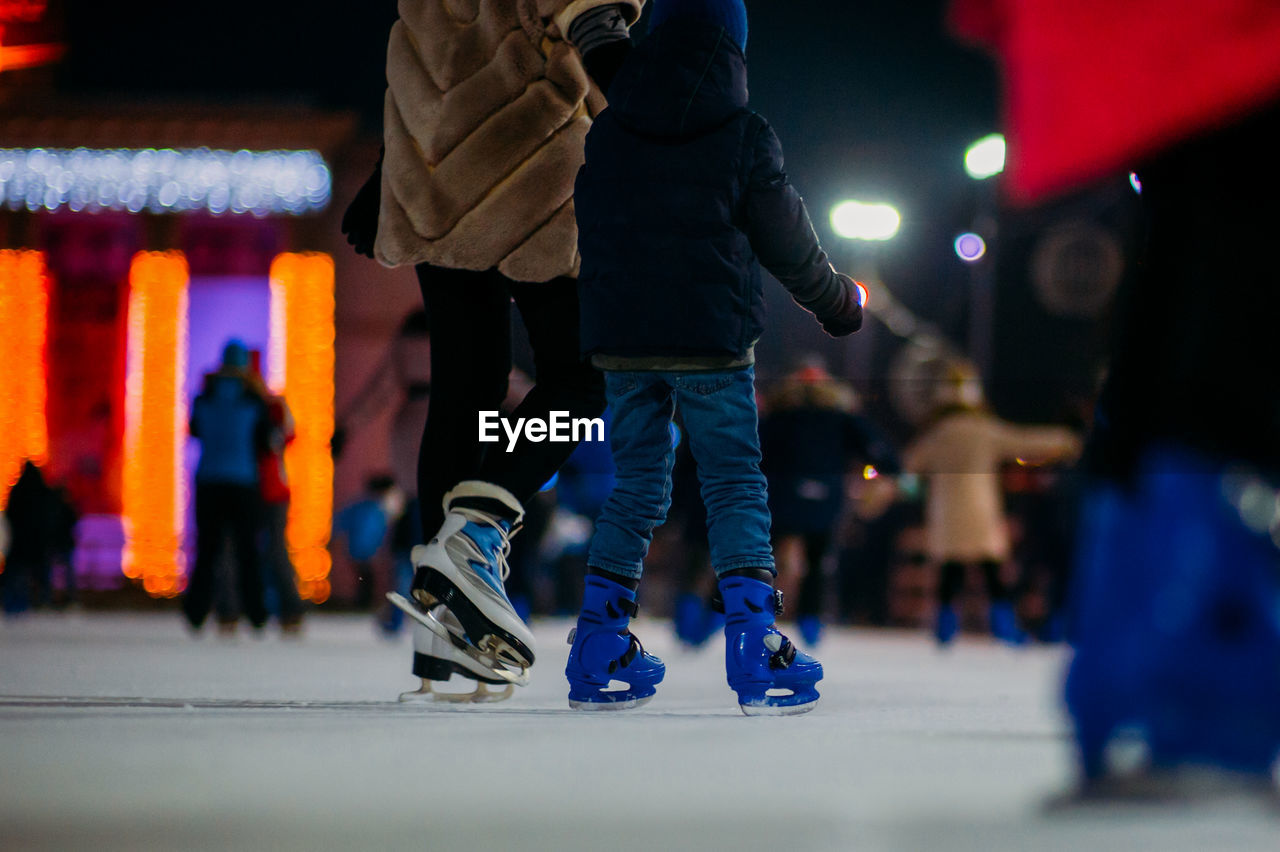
847, 318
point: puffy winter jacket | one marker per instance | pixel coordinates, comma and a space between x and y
486, 110
231, 422
682, 193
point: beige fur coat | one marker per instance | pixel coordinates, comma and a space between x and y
486, 112
961, 456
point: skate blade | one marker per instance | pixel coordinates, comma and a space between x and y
777, 709
782, 704
607, 706
440, 589
491, 643
482, 695
491, 661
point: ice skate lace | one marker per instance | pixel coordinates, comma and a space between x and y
478, 517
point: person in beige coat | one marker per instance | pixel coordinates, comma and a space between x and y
487, 106
959, 455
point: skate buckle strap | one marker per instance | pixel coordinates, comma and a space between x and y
717, 602
629, 607
634, 649
784, 653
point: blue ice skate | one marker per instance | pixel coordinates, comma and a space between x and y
605, 650
1177, 625
771, 677
810, 627
1003, 622
695, 621
945, 625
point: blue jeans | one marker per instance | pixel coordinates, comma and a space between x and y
719, 412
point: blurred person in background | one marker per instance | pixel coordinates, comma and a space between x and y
485, 122
401, 381
1177, 596
959, 453
274, 481
811, 435
365, 525
230, 420
32, 514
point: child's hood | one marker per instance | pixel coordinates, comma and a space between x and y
683, 79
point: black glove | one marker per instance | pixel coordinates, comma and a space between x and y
847, 317
338, 442
360, 222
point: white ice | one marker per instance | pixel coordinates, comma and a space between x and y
300, 744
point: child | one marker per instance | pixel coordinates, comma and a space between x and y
960, 452
681, 193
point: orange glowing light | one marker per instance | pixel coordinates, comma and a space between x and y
15, 57
302, 312
24, 312
154, 493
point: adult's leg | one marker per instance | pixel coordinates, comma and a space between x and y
720, 419
564, 382
244, 508
469, 315
210, 534
278, 562
642, 404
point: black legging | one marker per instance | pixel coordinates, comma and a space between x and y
813, 583
223, 512
951, 581
469, 314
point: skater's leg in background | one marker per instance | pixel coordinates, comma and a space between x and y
997, 589
469, 314
210, 536
951, 577
246, 518
642, 404
813, 583
280, 565
563, 382
720, 419
950, 582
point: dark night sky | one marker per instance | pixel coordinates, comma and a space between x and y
870, 99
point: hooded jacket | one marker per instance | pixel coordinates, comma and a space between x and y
682, 197
486, 110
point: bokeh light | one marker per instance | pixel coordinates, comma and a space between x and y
985, 158
857, 220
970, 247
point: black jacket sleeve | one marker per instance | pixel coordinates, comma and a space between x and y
783, 238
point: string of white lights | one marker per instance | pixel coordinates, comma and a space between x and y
166, 180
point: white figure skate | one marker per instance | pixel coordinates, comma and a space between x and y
464, 569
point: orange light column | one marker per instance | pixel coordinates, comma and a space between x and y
24, 316
301, 368
154, 492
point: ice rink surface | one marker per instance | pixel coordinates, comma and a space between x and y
123, 732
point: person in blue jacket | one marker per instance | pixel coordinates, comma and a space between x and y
230, 420
681, 200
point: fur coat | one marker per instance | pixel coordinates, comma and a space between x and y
961, 456
486, 111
